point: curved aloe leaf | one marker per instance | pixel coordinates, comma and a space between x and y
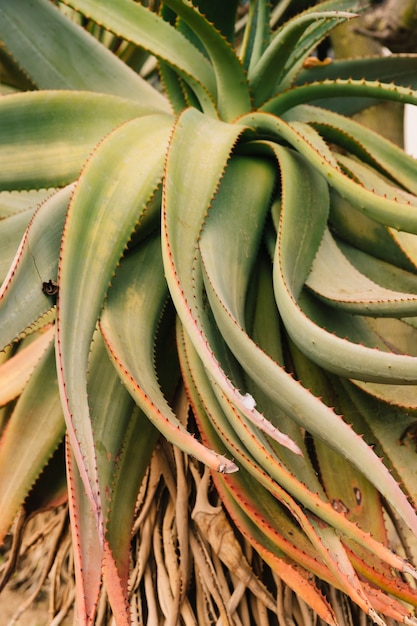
141, 312
315, 34
267, 471
369, 178
207, 161
88, 261
367, 235
338, 282
379, 271
39, 151
124, 441
336, 354
352, 499
257, 34
34, 431
315, 92
92, 67
137, 24
398, 68
14, 202
398, 214
323, 538
363, 142
118, 428
174, 87
88, 550
306, 409
22, 299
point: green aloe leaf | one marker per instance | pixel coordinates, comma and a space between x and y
15, 202
12, 230
88, 550
42, 39
314, 34
280, 51
34, 431
319, 92
180, 236
245, 445
39, 151
348, 490
222, 16
324, 540
402, 396
398, 214
296, 401
331, 351
400, 69
379, 271
367, 235
369, 178
124, 441
339, 283
88, 260
141, 314
211, 415
233, 97
22, 299
206, 161
137, 24
354, 501
391, 429
257, 34
174, 87
360, 141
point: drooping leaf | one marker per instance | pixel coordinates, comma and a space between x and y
267, 374
141, 315
124, 440
88, 549
327, 545
88, 261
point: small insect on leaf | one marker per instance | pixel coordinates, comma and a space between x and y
50, 288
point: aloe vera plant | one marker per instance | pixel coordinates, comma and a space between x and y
224, 228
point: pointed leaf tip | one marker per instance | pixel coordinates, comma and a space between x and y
229, 467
